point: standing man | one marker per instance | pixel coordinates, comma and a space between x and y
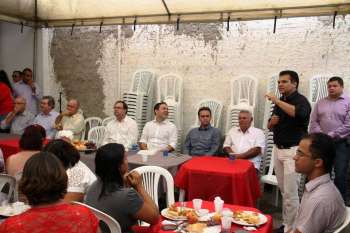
289, 122
47, 116
331, 116
71, 119
19, 118
159, 134
28, 89
123, 129
322, 208
246, 141
16, 76
204, 140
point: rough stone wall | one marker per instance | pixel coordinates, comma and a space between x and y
89, 64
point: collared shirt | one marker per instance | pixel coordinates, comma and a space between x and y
158, 135
332, 117
25, 91
19, 122
289, 130
241, 142
47, 122
202, 141
123, 132
74, 123
322, 208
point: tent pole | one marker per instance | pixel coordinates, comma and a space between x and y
35, 38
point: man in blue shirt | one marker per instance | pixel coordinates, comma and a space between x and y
47, 116
204, 140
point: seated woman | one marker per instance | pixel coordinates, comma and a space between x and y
125, 199
30, 143
44, 183
80, 177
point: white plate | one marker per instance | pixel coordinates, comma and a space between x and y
262, 218
13, 209
164, 213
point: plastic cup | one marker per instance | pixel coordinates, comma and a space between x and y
232, 157
226, 212
165, 153
197, 204
226, 224
144, 158
218, 204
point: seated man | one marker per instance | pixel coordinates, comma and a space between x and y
47, 116
159, 134
71, 119
204, 140
245, 141
19, 118
123, 129
322, 207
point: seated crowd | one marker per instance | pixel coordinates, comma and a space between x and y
121, 195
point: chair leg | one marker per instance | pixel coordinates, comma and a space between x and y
277, 196
182, 195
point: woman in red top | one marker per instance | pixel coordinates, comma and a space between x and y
44, 183
6, 99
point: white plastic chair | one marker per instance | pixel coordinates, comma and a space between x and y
244, 90
272, 87
11, 182
150, 180
170, 87
232, 115
216, 110
142, 82
106, 120
90, 123
112, 224
346, 222
96, 135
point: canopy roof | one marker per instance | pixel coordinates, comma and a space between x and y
93, 12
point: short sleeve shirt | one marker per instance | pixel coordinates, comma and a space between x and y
80, 177
121, 204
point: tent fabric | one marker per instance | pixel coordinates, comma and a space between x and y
93, 12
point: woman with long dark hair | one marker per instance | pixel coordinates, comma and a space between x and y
6, 98
119, 193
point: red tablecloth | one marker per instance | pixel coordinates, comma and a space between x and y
9, 147
266, 228
236, 182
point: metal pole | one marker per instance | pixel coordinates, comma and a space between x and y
35, 38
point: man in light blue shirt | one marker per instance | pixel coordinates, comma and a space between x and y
29, 90
46, 118
204, 140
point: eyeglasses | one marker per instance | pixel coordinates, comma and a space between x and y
19, 103
299, 153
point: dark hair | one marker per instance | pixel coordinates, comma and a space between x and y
64, 151
108, 161
294, 77
5, 79
204, 109
17, 71
27, 69
322, 147
336, 79
125, 106
32, 138
50, 100
44, 180
157, 106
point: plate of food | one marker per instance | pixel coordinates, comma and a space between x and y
84, 145
13, 209
249, 218
180, 214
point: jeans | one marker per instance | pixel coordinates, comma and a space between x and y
341, 165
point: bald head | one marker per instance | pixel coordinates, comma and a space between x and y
73, 106
20, 104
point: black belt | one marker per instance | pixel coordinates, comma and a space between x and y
283, 147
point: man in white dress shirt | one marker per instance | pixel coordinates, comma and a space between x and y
159, 134
122, 129
245, 141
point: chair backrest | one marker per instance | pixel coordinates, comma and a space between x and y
150, 180
346, 222
268, 156
244, 90
112, 224
90, 123
10, 181
142, 82
216, 109
96, 135
170, 87
106, 120
272, 87
232, 115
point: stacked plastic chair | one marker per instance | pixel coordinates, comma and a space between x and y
243, 97
170, 90
215, 107
139, 97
